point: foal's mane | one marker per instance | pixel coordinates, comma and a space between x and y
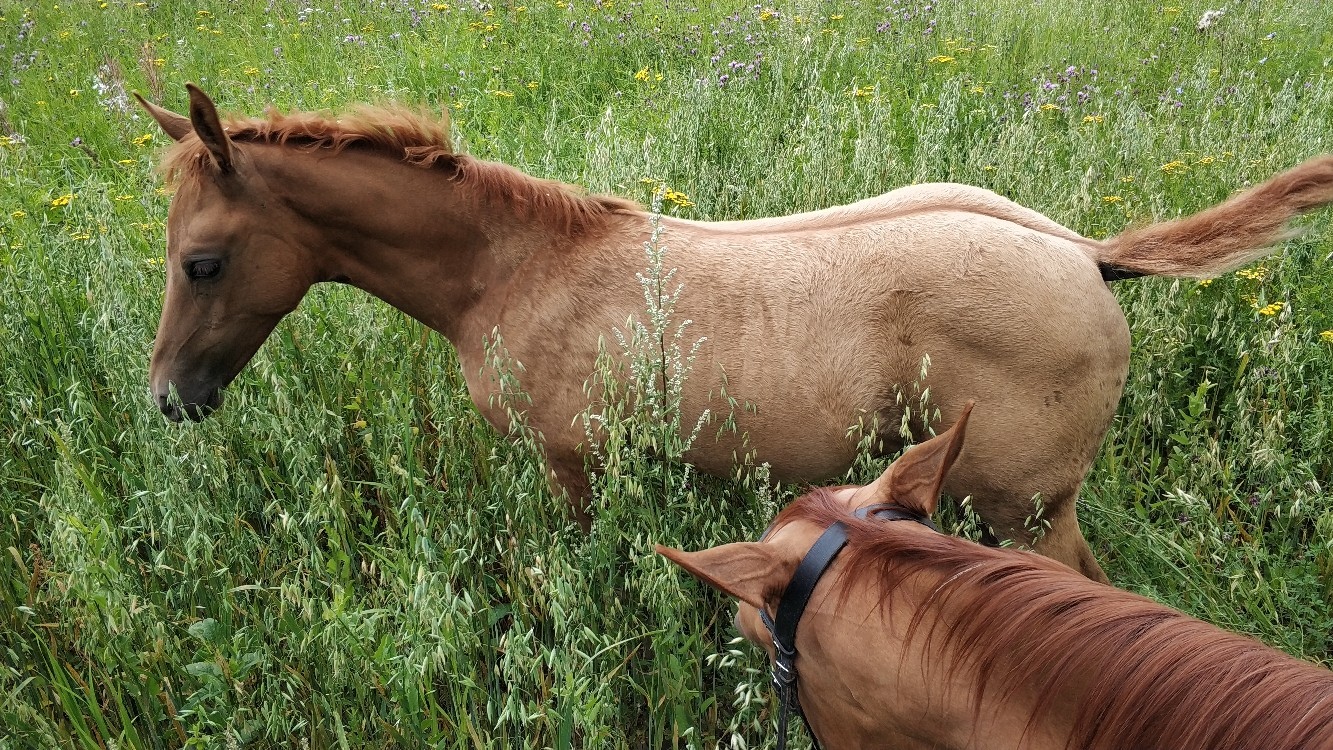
416, 138
1140, 674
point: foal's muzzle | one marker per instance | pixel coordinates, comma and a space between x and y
195, 411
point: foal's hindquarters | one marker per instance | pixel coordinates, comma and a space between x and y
1013, 318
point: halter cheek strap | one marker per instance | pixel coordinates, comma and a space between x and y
795, 599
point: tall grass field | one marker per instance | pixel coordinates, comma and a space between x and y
348, 556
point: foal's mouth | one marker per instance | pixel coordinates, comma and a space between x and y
195, 411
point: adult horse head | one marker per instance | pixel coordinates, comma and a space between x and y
914, 639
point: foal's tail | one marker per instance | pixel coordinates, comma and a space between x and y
1237, 231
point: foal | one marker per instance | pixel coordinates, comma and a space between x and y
812, 324
914, 639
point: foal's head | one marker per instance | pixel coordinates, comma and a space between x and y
234, 266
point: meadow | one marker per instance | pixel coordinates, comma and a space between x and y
348, 555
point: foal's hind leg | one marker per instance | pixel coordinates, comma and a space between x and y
1064, 539
1061, 539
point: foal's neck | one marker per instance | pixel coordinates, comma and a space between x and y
415, 237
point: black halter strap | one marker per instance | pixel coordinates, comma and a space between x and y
795, 599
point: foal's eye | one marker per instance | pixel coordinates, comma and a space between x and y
205, 269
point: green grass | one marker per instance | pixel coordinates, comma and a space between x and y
348, 555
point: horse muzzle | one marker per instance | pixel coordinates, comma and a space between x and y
193, 410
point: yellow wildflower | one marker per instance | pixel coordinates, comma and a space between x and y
1174, 167
1271, 310
62, 200
18, 214
1206, 160
503, 94
941, 59
1112, 199
439, 6
642, 75
1093, 118
978, 89
1205, 282
1258, 273
1047, 107
677, 197
1327, 336
141, 140
862, 91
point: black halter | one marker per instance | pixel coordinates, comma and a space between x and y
795, 599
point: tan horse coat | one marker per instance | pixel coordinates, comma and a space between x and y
816, 320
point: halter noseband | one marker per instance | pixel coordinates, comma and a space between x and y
797, 596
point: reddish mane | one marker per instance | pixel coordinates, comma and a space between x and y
414, 137
1150, 674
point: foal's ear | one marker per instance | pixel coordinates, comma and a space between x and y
208, 126
176, 126
755, 573
916, 479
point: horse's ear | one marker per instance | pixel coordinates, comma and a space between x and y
176, 126
208, 126
916, 479
755, 573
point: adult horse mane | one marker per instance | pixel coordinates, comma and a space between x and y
415, 137
1148, 675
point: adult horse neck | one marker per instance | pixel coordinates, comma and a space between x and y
915, 639
816, 323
